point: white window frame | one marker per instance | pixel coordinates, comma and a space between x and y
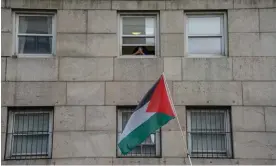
156, 35
119, 131
224, 34
9, 143
16, 16
227, 128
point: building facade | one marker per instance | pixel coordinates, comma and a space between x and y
73, 71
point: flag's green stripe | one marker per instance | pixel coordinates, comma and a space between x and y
138, 135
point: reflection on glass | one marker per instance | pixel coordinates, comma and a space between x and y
205, 45
35, 24
35, 44
204, 25
138, 26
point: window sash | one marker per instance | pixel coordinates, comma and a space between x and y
156, 143
17, 34
223, 32
10, 134
138, 15
226, 132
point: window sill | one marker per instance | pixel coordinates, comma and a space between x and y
136, 57
33, 56
205, 56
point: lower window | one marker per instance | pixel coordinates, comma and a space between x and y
29, 133
149, 148
209, 132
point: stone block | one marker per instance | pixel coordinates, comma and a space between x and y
252, 44
267, 20
3, 68
40, 93
71, 21
6, 20
253, 3
100, 118
255, 162
242, 118
125, 93
254, 68
220, 4
259, 93
84, 144
138, 69
207, 93
206, 161
28, 162
172, 45
270, 116
243, 20
3, 142
268, 43
38, 4
69, 118
244, 44
246, 144
102, 45
271, 144
85, 93
7, 93
187, 4
138, 5
32, 69
87, 4
173, 161
86, 69
82, 161
207, 68
71, 45
171, 21
6, 44
173, 124
102, 21
173, 142
136, 161
173, 68
4, 114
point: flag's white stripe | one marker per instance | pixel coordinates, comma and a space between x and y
135, 120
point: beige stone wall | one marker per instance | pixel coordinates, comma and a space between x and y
86, 80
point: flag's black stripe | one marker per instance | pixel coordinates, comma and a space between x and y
148, 95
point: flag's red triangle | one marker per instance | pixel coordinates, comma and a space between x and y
160, 101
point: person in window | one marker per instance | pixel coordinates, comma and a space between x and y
140, 50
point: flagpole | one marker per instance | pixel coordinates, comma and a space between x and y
182, 133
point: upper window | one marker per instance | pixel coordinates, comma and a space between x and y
209, 132
138, 34
206, 34
34, 34
29, 133
149, 148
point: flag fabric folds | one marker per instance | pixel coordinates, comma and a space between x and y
154, 111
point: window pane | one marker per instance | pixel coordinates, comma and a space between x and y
35, 24
204, 25
207, 121
35, 144
35, 44
138, 40
208, 142
31, 123
131, 50
138, 25
205, 45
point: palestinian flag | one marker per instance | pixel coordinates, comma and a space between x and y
154, 111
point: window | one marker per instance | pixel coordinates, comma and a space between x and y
149, 148
209, 132
29, 133
138, 34
34, 34
206, 34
